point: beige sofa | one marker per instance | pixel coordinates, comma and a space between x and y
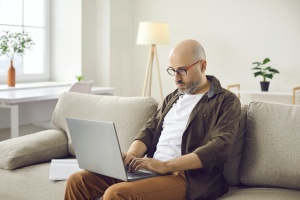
265, 163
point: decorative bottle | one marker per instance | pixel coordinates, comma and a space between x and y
11, 75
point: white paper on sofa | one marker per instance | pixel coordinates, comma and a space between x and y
61, 169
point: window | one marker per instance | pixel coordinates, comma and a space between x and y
30, 16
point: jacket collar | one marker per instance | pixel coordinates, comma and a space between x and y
215, 86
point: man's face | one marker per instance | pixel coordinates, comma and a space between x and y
189, 83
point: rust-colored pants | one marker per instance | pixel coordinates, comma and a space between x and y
88, 185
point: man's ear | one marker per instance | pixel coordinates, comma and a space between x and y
203, 66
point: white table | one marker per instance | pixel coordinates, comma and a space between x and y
11, 97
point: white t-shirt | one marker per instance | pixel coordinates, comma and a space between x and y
169, 144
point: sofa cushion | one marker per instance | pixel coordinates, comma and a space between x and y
232, 166
271, 154
249, 193
33, 148
30, 183
128, 113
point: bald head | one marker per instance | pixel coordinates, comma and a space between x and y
188, 50
189, 55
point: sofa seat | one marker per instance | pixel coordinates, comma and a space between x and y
260, 193
30, 183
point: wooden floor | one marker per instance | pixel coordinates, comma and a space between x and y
24, 130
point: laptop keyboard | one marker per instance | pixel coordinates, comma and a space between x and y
141, 172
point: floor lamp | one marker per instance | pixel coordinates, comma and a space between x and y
152, 33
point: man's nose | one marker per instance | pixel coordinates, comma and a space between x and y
177, 77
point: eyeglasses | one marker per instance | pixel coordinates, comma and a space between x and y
181, 72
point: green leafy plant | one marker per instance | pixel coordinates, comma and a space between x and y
265, 72
16, 43
79, 78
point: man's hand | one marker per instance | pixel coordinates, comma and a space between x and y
137, 149
150, 164
127, 158
181, 163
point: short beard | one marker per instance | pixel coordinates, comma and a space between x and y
191, 88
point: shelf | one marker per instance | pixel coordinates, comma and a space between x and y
263, 93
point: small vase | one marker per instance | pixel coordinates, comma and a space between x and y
11, 75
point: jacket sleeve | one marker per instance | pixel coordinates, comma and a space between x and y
146, 134
219, 147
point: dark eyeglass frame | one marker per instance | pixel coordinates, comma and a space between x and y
181, 71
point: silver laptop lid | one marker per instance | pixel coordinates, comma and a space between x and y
96, 147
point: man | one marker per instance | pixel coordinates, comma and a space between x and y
190, 136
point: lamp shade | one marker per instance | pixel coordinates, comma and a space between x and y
153, 33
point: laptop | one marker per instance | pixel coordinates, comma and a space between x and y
97, 149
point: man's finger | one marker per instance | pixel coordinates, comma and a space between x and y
124, 155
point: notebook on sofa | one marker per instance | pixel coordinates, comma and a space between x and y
98, 150
61, 169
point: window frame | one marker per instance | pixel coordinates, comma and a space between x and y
21, 78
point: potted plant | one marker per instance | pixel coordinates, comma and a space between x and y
14, 44
265, 72
79, 78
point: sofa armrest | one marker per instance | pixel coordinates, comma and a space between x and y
33, 148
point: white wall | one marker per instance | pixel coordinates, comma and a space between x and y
234, 33
65, 40
122, 72
97, 38
102, 43
88, 34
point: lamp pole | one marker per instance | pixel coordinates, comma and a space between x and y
152, 54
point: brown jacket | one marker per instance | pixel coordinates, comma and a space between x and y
209, 133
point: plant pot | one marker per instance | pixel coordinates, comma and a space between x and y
264, 85
11, 75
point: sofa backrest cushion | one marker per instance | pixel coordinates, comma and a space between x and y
128, 113
232, 166
272, 143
